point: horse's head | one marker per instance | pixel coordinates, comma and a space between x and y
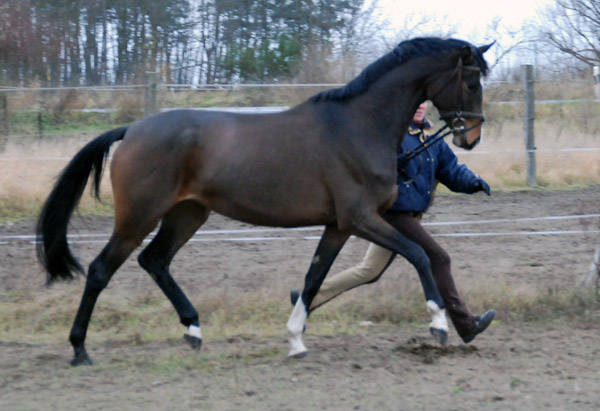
458, 95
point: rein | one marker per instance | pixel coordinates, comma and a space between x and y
435, 138
410, 154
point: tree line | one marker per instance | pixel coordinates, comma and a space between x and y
94, 42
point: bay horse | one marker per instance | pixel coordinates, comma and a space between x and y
329, 161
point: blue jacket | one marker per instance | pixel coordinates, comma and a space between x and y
416, 186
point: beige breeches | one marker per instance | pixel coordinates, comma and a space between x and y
376, 260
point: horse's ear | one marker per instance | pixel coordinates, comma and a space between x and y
485, 48
466, 55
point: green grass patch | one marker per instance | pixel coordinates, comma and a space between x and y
28, 123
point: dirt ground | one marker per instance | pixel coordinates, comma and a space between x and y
512, 366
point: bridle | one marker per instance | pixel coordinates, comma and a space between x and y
458, 115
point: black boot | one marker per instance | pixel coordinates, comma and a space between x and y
481, 323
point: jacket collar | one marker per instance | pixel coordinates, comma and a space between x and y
422, 130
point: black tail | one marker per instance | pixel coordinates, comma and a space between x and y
52, 247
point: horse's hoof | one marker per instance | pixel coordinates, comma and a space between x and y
439, 335
298, 355
297, 347
81, 359
194, 342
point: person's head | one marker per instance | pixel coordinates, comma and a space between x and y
419, 116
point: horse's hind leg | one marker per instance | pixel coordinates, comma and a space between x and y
99, 274
177, 227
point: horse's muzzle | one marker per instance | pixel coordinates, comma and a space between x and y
467, 133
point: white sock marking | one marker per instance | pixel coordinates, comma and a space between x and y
194, 331
438, 316
295, 326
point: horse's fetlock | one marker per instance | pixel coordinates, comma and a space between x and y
190, 318
77, 340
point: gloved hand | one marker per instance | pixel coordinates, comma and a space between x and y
481, 185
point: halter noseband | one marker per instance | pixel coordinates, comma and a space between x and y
458, 115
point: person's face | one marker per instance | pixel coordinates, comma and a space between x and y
420, 113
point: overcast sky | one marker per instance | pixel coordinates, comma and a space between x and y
469, 18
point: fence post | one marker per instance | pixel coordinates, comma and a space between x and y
528, 125
4, 121
40, 124
593, 275
150, 94
597, 81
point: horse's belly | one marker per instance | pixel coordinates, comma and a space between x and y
275, 205
293, 216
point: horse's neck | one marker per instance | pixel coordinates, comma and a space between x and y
392, 101
390, 108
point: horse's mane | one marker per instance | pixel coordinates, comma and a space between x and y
405, 51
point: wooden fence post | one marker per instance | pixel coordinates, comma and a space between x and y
4, 121
40, 124
528, 125
593, 276
597, 81
150, 94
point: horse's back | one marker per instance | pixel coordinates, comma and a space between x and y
256, 168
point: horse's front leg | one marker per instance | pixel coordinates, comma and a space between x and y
330, 245
377, 230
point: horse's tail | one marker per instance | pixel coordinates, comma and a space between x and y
52, 247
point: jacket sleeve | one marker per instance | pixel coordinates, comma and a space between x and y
457, 177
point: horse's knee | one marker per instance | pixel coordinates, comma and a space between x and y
98, 277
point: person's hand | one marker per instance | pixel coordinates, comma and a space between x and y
481, 185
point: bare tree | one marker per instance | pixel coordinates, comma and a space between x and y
573, 27
508, 42
421, 24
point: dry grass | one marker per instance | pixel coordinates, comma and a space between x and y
48, 314
501, 158
241, 97
544, 90
29, 167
